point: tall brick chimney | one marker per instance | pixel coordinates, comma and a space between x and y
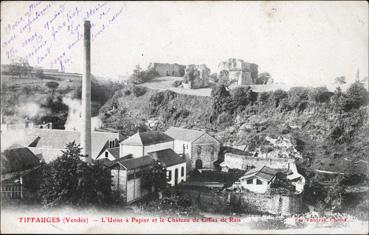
86, 94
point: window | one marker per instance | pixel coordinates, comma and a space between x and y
249, 181
131, 176
169, 175
182, 171
198, 150
106, 154
259, 181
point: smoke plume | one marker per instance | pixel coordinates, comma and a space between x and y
74, 121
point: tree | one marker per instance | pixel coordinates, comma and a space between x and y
340, 80
320, 94
20, 68
52, 86
70, 181
357, 95
140, 76
278, 95
156, 177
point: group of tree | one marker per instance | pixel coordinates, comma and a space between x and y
227, 103
140, 76
19, 68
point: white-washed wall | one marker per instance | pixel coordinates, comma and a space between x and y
136, 151
180, 176
157, 147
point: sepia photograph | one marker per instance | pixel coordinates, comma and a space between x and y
184, 117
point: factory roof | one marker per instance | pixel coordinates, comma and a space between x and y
147, 138
134, 163
168, 157
58, 139
17, 158
187, 135
114, 152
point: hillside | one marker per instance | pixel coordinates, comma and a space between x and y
33, 98
329, 129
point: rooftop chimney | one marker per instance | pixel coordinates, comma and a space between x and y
86, 94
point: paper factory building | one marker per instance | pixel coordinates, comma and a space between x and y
20, 173
142, 143
200, 149
50, 142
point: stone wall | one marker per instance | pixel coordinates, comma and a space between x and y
196, 76
175, 70
243, 162
253, 203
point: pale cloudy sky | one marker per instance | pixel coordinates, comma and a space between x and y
299, 43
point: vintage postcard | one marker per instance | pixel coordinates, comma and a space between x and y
190, 117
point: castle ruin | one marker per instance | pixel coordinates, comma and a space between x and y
239, 71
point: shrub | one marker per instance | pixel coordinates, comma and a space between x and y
127, 92
277, 96
139, 91
357, 95
225, 119
177, 83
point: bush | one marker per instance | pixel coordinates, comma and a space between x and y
225, 119
357, 95
296, 95
277, 96
127, 92
139, 91
177, 83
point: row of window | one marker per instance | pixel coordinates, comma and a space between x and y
11, 188
134, 175
182, 173
13, 195
250, 181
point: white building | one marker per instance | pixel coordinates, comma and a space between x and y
142, 143
175, 165
258, 180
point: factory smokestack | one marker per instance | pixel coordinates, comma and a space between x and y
86, 94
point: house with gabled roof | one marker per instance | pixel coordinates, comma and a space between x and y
142, 143
199, 148
258, 180
127, 175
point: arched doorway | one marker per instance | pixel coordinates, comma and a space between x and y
198, 164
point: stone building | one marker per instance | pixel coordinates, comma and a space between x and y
240, 72
142, 143
196, 76
200, 149
164, 69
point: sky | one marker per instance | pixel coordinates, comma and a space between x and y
298, 43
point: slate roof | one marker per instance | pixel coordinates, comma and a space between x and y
58, 139
135, 163
187, 135
147, 138
18, 159
168, 157
265, 173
